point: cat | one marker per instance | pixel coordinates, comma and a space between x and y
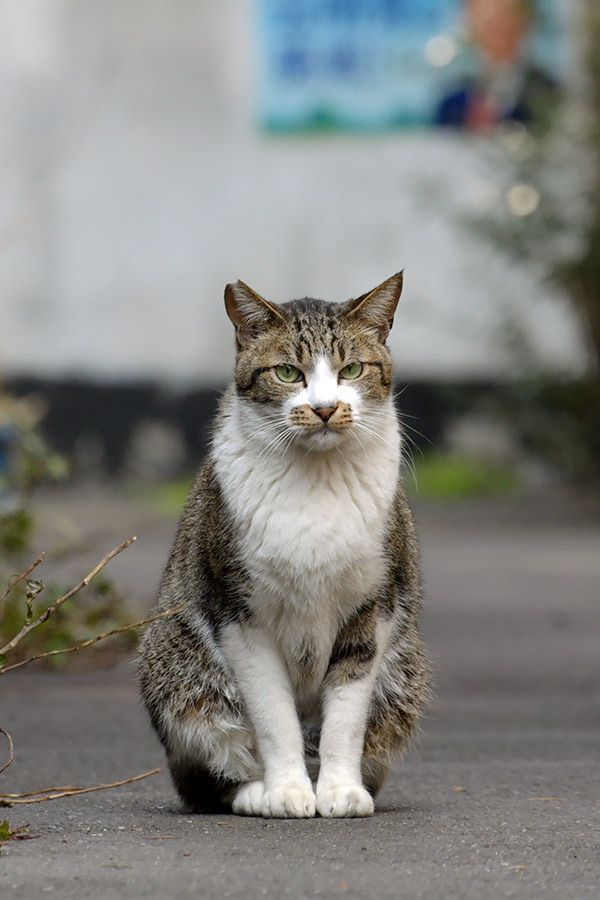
294, 674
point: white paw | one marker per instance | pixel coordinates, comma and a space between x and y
249, 799
290, 801
344, 800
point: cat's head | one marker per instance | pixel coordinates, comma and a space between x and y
315, 373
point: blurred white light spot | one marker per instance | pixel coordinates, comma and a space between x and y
440, 50
523, 199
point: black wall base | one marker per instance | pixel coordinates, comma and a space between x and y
108, 415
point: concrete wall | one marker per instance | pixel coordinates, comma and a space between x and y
134, 184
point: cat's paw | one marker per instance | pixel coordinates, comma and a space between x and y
344, 801
290, 801
249, 799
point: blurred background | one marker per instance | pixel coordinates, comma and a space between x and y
151, 152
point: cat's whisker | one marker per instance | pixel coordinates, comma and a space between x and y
360, 443
406, 459
274, 443
292, 439
282, 442
277, 446
415, 431
398, 393
374, 434
370, 431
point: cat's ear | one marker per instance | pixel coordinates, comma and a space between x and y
249, 312
376, 309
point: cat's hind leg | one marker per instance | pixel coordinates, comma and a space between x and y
199, 789
400, 692
198, 714
212, 761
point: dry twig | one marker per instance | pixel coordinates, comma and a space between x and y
21, 577
46, 615
42, 796
11, 750
94, 640
67, 787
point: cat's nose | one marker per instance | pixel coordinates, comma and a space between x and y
325, 413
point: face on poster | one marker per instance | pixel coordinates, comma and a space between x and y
372, 65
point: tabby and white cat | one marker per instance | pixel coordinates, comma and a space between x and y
294, 674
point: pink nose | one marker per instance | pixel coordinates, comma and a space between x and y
326, 413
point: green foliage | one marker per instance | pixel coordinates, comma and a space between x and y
168, 498
15, 531
100, 609
4, 831
31, 461
560, 422
449, 477
558, 236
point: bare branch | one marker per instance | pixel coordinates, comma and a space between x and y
46, 615
14, 799
11, 749
94, 640
63, 787
21, 577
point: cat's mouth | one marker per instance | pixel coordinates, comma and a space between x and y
323, 437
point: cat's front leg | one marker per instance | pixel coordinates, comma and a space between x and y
263, 680
347, 695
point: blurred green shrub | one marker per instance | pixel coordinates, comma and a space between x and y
28, 462
101, 609
439, 476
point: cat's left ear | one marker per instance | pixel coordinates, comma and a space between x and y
377, 308
249, 312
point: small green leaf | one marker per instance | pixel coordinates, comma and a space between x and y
3, 659
4, 831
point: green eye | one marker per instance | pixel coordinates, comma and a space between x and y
352, 370
288, 374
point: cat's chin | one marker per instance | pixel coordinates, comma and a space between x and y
324, 439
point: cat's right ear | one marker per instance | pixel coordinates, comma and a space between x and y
376, 309
250, 313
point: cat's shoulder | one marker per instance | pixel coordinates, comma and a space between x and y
402, 544
205, 527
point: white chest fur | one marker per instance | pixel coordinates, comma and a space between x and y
310, 525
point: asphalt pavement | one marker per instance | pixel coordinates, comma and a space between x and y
500, 797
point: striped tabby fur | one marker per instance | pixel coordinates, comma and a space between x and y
294, 675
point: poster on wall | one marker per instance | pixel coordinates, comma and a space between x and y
372, 65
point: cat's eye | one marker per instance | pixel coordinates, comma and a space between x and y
288, 374
352, 370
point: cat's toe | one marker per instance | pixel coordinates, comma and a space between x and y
289, 802
344, 801
249, 799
